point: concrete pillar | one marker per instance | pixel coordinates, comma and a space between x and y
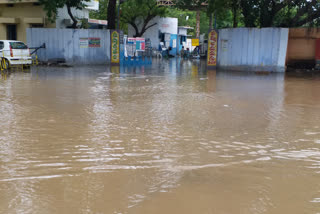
22, 31
3, 31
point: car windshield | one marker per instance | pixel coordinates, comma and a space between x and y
18, 45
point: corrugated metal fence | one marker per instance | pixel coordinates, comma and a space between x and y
76, 46
253, 49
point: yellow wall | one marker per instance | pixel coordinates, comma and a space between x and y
302, 43
25, 14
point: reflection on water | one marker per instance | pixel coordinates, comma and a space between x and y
171, 138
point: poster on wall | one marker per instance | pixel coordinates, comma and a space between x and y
140, 44
212, 49
90, 42
94, 43
84, 42
224, 45
134, 45
115, 47
174, 43
167, 37
131, 46
195, 42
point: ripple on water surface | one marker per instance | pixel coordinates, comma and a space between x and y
160, 139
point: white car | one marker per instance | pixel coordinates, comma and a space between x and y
15, 53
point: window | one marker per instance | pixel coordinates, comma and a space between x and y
183, 39
18, 45
12, 32
36, 25
1, 45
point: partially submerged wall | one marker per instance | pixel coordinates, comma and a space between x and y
75, 46
253, 49
302, 44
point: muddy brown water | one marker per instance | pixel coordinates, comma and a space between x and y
171, 138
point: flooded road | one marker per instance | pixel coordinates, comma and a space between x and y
173, 138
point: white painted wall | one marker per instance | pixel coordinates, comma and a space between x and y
79, 14
183, 32
92, 5
168, 25
63, 14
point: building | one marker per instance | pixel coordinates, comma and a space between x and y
183, 40
17, 16
303, 47
165, 31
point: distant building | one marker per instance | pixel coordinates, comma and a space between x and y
183, 38
165, 30
17, 16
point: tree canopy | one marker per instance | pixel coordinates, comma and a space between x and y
52, 6
139, 13
229, 13
102, 12
270, 13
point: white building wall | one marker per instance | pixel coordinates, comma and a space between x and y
63, 14
164, 25
168, 25
79, 14
183, 31
92, 5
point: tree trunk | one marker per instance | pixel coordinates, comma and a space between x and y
198, 25
211, 22
235, 13
75, 21
111, 17
235, 19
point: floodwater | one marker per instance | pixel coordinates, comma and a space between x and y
171, 138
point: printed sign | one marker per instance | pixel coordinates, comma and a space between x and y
195, 42
121, 37
131, 46
94, 43
140, 44
212, 48
115, 49
84, 43
167, 37
174, 43
136, 44
224, 45
90, 42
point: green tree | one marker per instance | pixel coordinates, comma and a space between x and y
139, 13
52, 6
284, 13
102, 12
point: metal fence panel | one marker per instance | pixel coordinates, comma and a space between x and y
247, 48
65, 43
